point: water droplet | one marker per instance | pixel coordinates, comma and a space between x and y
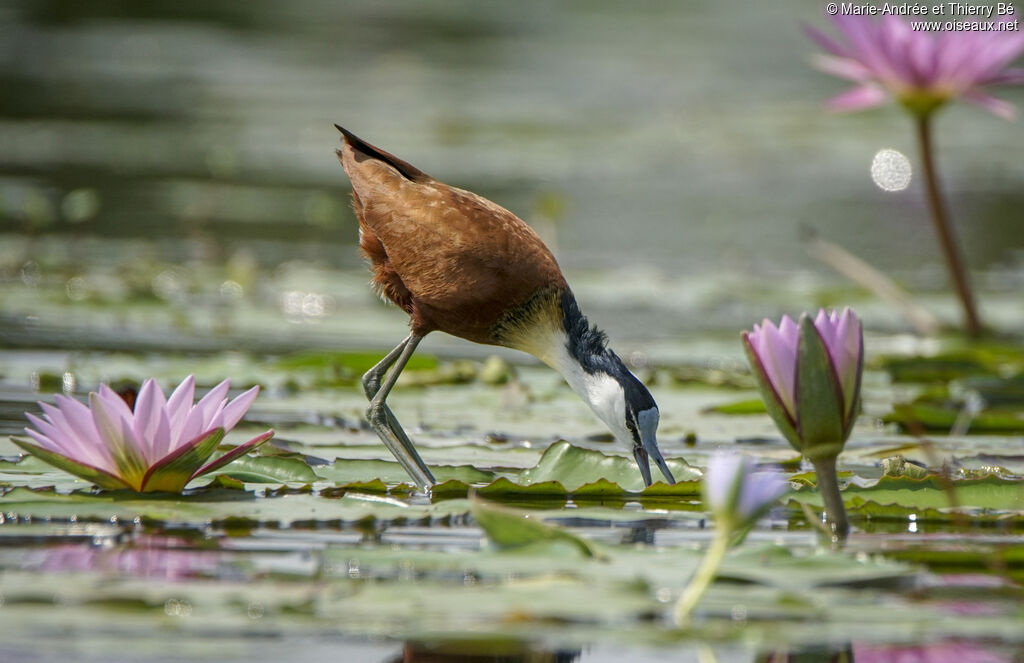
31, 274
77, 288
80, 205
231, 290
255, 610
177, 608
891, 170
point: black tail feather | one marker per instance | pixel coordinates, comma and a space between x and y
360, 146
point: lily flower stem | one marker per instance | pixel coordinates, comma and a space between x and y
828, 484
944, 229
705, 574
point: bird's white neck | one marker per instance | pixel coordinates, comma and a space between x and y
598, 389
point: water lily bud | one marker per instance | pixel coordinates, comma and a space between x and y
809, 375
736, 493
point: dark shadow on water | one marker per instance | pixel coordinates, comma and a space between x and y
493, 651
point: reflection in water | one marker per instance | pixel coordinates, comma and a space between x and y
817, 654
642, 533
152, 557
934, 652
481, 652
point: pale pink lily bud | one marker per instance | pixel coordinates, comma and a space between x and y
809, 375
736, 493
161, 445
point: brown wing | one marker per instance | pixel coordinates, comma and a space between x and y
454, 260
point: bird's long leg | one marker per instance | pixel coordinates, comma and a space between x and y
384, 422
371, 385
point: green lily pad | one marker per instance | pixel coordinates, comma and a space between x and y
741, 407
942, 368
344, 368
268, 469
933, 418
909, 495
344, 471
574, 467
204, 506
955, 364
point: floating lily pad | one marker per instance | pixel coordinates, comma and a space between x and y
346, 471
269, 469
933, 418
745, 406
901, 496
573, 467
344, 368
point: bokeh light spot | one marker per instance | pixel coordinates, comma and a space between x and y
890, 170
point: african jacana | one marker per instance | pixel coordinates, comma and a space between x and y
458, 263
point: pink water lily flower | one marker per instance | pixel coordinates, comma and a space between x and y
161, 445
920, 68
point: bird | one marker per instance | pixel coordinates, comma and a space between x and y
458, 263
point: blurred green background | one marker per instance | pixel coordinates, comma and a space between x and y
658, 142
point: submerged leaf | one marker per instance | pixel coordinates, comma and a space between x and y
513, 528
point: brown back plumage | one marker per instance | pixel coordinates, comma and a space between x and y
454, 261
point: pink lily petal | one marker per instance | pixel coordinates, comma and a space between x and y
777, 354
211, 402
889, 58
118, 437
858, 98
1003, 109
237, 408
180, 404
155, 447
843, 68
43, 440
47, 428
841, 335
826, 42
56, 428
115, 403
151, 425
217, 419
83, 429
721, 481
1013, 76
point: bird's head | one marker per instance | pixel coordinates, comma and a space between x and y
581, 354
625, 405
